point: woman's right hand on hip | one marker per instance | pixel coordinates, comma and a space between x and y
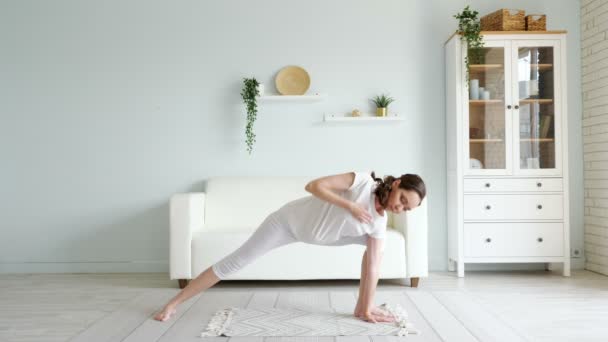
360, 213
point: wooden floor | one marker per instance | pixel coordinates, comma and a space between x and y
484, 306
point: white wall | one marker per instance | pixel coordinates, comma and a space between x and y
594, 45
107, 108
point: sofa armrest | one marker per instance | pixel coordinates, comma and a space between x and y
187, 215
414, 227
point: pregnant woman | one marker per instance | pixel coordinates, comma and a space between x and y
348, 208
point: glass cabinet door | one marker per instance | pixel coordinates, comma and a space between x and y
535, 118
488, 127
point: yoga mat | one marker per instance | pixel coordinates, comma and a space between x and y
269, 321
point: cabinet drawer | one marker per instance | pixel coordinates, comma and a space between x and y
513, 239
512, 184
513, 207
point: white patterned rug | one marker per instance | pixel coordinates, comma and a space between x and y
294, 322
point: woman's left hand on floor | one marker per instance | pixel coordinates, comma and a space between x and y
375, 315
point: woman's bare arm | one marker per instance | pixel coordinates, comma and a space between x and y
326, 188
362, 283
374, 252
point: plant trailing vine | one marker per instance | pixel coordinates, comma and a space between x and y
469, 27
249, 94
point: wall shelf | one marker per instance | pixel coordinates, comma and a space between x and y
362, 118
292, 98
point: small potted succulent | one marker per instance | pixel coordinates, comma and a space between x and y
382, 101
249, 94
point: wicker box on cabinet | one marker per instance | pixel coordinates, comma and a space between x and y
504, 20
536, 22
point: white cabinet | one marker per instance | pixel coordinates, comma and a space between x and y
506, 150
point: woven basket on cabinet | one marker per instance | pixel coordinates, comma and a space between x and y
536, 22
504, 20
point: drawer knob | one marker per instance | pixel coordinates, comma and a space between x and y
487, 185
488, 207
540, 239
539, 184
539, 206
488, 240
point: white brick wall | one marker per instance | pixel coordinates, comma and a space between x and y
594, 45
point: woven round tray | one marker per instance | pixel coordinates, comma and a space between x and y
292, 80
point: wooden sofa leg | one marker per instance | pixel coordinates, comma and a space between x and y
183, 283
414, 282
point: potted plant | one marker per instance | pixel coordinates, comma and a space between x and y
249, 93
382, 101
469, 28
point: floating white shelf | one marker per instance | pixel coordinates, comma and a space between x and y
362, 118
292, 98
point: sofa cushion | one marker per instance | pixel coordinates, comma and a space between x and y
246, 201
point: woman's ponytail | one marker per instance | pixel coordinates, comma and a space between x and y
409, 181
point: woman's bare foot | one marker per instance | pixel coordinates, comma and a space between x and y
165, 313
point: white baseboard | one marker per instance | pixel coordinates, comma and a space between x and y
85, 267
575, 264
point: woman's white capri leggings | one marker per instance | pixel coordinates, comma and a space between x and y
269, 235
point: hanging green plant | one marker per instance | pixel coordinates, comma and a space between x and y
469, 28
249, 94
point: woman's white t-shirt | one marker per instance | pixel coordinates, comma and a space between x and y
314, 220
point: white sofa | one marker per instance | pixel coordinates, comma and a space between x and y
207, 226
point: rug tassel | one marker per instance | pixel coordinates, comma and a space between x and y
218, 323
405, 328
